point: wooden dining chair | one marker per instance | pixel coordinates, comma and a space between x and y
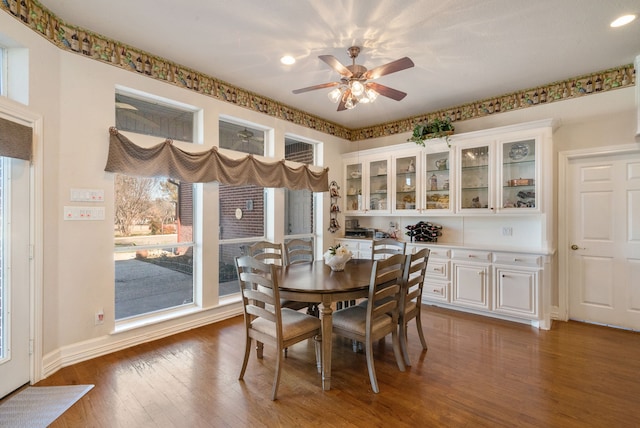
383, 248
266, 321
299, 251
379, 318
411, 300
272, 253
267, 252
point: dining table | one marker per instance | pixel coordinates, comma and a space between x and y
316, 282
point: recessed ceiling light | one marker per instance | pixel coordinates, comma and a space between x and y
287, 60
623, 20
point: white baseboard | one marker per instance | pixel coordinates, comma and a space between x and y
96, 347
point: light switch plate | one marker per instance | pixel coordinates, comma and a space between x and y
84, 213
87, 195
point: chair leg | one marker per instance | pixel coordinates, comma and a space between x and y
318, 345
276, 378
403, 343
420, 333
247, 351
396, 350
371, 367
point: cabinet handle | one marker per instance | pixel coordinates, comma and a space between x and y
437, 269
481, 273
504, 276
516, 260
471, 256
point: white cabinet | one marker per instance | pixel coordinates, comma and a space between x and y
406, 182
360, 248
517, 285
501, 284
471, 279
437, 284
438, 182
367, 184
500, 174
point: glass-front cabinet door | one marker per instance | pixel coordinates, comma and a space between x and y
406, 183
518, 175
437, 182
354, 192
476, 192
378, 186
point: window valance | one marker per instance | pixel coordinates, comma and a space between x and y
167, 160
16, 140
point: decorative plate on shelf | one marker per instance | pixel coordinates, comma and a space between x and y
518, 151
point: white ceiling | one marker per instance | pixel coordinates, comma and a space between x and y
463, 50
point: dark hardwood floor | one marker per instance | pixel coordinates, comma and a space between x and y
478, 372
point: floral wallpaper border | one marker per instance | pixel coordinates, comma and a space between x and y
100, 48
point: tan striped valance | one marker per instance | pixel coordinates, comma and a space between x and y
167, 160
16, 140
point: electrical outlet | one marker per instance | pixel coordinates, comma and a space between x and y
99, 317
507, 231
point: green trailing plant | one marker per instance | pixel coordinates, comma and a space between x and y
435, 128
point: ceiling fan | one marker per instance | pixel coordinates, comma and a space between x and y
354, 86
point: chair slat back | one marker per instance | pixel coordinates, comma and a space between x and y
413, 279
299, 251
259, 288
267, 252
385, 287
383, 248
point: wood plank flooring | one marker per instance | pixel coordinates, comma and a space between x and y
478, 372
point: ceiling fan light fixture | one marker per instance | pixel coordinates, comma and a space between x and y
357, 88
351, 102
371, 95
335, 95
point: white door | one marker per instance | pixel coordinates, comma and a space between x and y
14, 275
604, 240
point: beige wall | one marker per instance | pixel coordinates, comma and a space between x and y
75, 97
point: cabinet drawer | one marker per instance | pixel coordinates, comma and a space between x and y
439, 253
472, 255
437, 269
513, 259
433, 290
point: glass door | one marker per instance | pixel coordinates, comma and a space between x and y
437, 188
378, 186
475, 192
353, 188
519, 175
405, 183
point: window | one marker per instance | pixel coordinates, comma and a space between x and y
154, 245
154, 217
242, 208
153, 117
299, 213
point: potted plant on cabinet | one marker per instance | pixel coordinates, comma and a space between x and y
435, 128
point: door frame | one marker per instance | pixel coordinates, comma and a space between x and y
12, 110
561, 312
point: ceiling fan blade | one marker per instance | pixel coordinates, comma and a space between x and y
392, 67
341, 105
388, 92
314, 87
333, 62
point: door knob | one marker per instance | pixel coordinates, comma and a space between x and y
575, 247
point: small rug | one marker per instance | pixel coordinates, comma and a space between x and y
39, 406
